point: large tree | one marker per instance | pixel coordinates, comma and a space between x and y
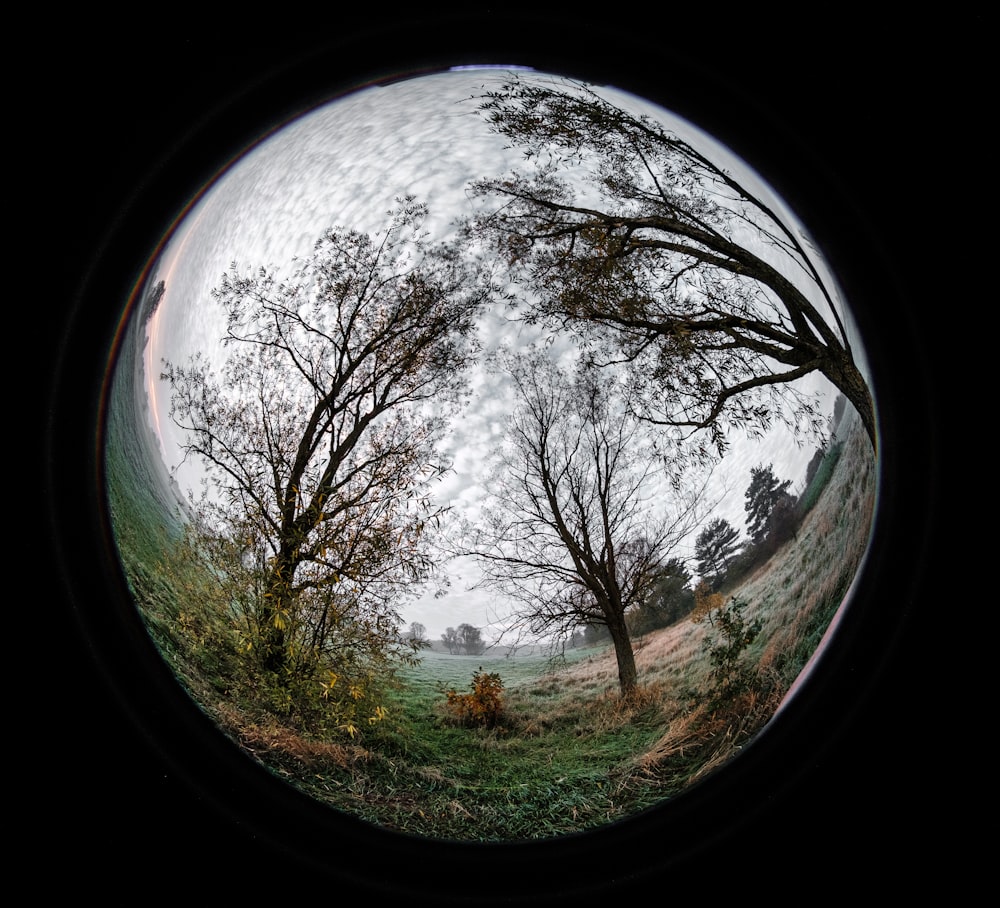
581, 526
318, 432
417, 635
665, 258
470, 639
450, 639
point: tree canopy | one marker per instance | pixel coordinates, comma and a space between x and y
670, 600
467, 638
764, 494
470, 638
661, 258
318, 434
715, 547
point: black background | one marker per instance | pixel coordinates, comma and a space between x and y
857, 124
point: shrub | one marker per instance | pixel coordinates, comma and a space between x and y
729, 676
706, 601
484, 706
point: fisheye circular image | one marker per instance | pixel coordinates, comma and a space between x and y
490, 454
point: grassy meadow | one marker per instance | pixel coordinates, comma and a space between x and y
567, 754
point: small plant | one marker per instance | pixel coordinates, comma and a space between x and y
484, 706
706, 601
729, 676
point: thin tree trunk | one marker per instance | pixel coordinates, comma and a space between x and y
277, 614
272, 645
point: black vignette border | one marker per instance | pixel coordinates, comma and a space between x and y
830, 117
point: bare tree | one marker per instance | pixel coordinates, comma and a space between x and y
417, 635
318, 434
580, 529
662, 258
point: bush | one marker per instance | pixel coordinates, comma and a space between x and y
484, 706
729, 676
706, 601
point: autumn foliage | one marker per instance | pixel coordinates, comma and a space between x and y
484, 706
706, 601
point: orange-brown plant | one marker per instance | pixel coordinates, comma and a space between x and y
484, 706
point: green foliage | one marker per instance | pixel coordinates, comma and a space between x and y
314, 434
730, 676
484, 706
715, 547
567, 765
595, 633
819, 477
204, 615
747, 560
566, 757
671, 599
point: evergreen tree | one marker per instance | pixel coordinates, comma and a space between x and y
672, 598
763, 494
715, 548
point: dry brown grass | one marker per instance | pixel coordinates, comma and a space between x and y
662, 657
587, 699
270, 739
814, 570
707, 739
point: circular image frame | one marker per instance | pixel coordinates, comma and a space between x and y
159, 726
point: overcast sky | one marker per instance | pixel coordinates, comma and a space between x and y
343, 164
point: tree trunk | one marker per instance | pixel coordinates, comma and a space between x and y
848, 379
628, 676
272, 647
273, 636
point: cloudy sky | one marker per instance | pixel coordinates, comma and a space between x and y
343, 164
